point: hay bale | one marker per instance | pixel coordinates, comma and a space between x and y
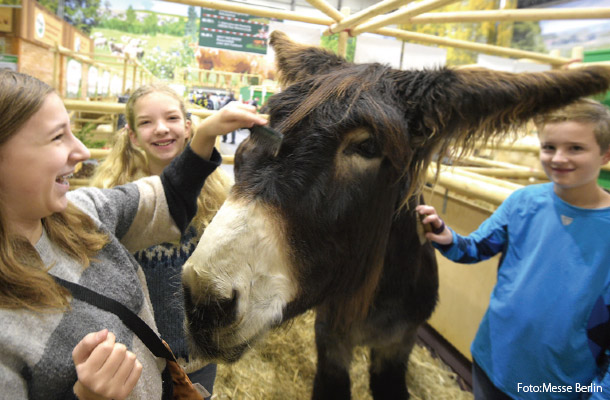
283, 367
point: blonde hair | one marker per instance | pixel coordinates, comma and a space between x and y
583, 110
126, 163
24, 279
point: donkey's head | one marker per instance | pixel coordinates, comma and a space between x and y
310, 213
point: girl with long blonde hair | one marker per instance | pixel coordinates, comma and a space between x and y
158, 129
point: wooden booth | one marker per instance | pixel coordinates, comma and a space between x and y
31, 34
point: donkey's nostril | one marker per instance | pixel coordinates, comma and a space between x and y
208, 312
224, 311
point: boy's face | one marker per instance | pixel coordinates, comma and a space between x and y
570, 155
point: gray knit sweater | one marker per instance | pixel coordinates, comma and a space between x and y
36, 348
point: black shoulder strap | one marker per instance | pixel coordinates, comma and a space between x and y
129, 318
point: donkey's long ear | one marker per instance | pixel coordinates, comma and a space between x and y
296, 62
451, 111
470, 105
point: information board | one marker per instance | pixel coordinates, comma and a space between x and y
233, 31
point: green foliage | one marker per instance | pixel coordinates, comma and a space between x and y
50, 5
83, 14
85, 135
191, 28
520, 35
526, 36
130, 16
163, 63
150, 25
504, 29
331, 42
485, 32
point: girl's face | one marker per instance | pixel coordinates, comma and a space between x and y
160, 130
35, 164
570, 155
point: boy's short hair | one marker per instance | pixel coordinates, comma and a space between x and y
582, 110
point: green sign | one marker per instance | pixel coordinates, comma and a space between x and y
8, 61
233, 31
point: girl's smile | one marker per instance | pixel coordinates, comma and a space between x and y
36, 163
161, 130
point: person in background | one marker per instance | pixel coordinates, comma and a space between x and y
547, 322
51, 345
255, 102
226, 101
157, 131
121, 117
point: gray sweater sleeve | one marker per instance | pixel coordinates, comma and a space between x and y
150, 211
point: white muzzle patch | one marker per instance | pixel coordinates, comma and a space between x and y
243, 249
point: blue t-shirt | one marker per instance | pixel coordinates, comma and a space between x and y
548, 322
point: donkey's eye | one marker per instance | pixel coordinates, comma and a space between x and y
367, 148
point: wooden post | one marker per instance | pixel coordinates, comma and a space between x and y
56, 68
134, 76
124, 85
578, 53
343, 36
62, 74
109, 88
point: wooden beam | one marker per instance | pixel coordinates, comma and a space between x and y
485, 162
118, 108
404, 13
473, 173
509, 15
479, 47
520, 147
370, 12
327, 9
507, 173
258, 11
468, 186
421, 7
98, 154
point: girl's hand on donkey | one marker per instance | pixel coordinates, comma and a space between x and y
231, 117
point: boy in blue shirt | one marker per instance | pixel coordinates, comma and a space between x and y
546, 332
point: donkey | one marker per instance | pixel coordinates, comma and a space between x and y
322, 214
